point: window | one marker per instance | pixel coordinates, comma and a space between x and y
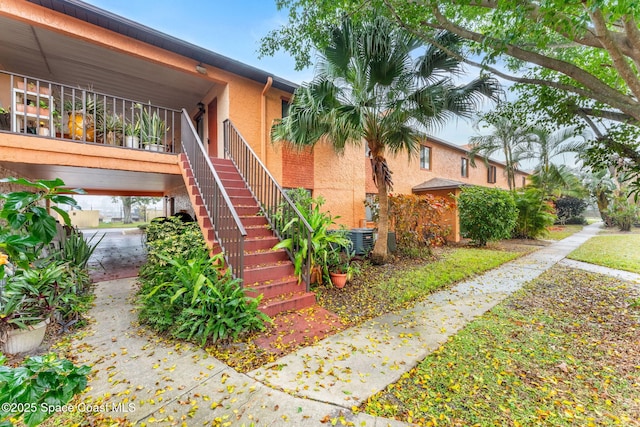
491, 174
425, 157
285, 107
464, 167
370, 205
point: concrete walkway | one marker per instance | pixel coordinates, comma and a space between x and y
140, 377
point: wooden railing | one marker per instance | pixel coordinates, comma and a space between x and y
276, 206
228, 229
49, 109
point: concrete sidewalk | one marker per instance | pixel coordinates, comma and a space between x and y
142, 378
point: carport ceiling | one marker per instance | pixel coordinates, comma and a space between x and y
47, 55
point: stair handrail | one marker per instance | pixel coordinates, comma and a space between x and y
229, 231
274, 202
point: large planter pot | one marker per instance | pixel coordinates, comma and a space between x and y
153, 147
25, 340
131, 141
338, 279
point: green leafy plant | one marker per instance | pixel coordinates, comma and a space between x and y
152, 127
186, 293
486, 214
34, 287
201, 302
322, 238
569, 210
29, 226
623, 212
534, 214
40, 383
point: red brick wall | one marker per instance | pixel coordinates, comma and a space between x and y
297, 168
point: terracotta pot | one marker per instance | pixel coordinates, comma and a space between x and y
338, 279
25, 340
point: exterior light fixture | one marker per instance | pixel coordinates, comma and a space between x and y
201, 69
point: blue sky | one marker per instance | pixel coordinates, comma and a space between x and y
231, 28
234, 29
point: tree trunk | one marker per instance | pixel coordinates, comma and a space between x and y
380, 253
126, 209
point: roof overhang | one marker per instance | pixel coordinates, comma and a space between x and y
436, 184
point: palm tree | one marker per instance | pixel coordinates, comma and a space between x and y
546, 144
370, 86
508, 138
543, 147
557, 181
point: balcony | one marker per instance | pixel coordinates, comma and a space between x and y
102, 143
42, 108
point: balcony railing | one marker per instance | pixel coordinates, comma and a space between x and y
44, 108
276, 206
229, 231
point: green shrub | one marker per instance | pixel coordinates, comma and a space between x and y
569, 210
486, 214
624, 213
172, 239
187, 294
34, 389
534, 214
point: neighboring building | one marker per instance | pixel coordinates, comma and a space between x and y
116, 108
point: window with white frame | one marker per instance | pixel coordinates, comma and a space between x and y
425, 157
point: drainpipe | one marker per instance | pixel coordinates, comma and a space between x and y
263, 121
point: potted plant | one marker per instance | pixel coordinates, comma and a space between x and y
113, 129
86, 116
131, 135
5, 119
31, 87
322, 238
338, 266
31, 287
152, 129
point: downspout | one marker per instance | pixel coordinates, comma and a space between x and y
263, 120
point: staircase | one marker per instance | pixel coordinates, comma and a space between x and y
266, 272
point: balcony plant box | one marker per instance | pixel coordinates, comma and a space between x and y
31, 87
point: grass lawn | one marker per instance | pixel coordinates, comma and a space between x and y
563, 351
120, 224
621, 251
378, 290
559, 232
